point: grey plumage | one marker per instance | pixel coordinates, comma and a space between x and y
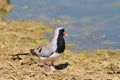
53, 49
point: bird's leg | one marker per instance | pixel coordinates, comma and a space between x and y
52, 66
44, 64
52, 63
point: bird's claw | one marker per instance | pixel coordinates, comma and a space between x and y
44, 65
53, 68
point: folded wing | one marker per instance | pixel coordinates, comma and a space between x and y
45, 51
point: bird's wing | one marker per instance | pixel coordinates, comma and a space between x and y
46, 51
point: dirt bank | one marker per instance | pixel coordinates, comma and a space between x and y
20, 36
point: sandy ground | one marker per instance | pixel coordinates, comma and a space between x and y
20, 36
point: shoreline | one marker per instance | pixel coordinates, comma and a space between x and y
20, 36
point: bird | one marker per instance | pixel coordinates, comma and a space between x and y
51, 51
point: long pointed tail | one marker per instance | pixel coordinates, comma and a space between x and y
17, 56
20, 54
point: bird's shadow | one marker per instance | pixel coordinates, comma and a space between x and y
61, 66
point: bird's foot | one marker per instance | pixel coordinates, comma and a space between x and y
53, 68
44, 65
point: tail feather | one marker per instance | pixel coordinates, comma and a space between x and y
32, 52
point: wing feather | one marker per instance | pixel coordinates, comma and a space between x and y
46, 51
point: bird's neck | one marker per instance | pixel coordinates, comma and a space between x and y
54, 42
58, 43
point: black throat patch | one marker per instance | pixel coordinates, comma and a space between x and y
60, 44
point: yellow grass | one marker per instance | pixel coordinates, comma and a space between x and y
20, 36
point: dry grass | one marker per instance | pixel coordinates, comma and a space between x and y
20, 36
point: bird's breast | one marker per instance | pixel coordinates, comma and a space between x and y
60, 44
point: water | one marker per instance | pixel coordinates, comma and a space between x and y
89, 23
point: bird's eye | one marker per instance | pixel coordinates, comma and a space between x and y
61, 31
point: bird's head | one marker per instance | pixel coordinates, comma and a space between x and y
60, 31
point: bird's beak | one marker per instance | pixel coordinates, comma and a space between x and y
65, 34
